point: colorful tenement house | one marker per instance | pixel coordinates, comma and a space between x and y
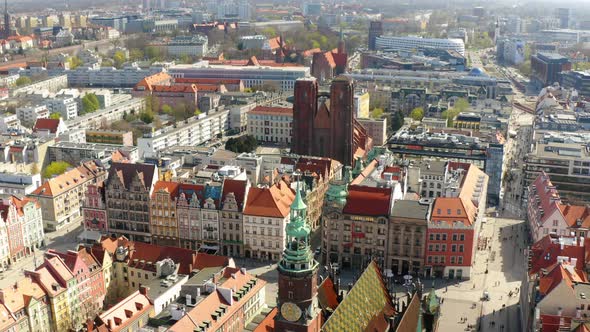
265, 217
189, 216
62, 197
94, 209
90, 281
130, 314
128, 190
298, 305
27, 302
233, 197
21, 229
455, 222
163, 214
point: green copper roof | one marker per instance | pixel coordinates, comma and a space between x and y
433, 302
358, 167
298, 203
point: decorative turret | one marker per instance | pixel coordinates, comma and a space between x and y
298, 256
358, 168
338, 191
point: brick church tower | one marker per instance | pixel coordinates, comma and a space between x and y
324, 124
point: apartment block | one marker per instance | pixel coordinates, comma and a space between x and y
271, 124
62, 197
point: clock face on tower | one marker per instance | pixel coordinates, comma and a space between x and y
290, 311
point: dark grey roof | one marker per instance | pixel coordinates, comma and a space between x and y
410, 209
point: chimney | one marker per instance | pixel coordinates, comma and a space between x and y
144, 290
578, 313
188, 299
573, 261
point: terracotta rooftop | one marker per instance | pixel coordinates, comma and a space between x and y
6, 318
125, 312
234, 279
167, 186
361, 197
68, 180
267, 110
552, 323
327, 296
549, 199
270, 202
148, 82
187, 259
268, 323
207, 81
183, 88
558, 273
576, 216
544, 252
453, 209
238, 188
50, 125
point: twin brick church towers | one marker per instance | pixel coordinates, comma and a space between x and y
298, 305
324, 123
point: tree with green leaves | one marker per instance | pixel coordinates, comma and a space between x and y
74, 62
197, 112
119, 59
55, 116
147, 117
136, 54
397, 121
246, 143
461, 105
90, 103
450, 115
23, 80
167, 109
417, 113
153, 53
55, 168
377, 113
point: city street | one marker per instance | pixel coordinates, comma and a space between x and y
497, 271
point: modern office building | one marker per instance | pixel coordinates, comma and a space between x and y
375, 30
126, 77
188, 45
282, 78
413, 44
546, 68
579, 80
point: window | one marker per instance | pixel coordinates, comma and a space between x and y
453, 248
452, 259
438, 237
444, 237
290, 295
429, 259
431, 236
454, 237
460, 248
555, 223
462, 237
460, 260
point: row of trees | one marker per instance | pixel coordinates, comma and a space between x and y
90, 103
246, 143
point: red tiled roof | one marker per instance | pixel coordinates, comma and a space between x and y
125, 312
320, 166
452, 209
238, 188
274, 43
155, 79
270, 202
544, 253
549, 198
46, 124
268, 323
310, 52
558, 273
575, 213
185, 88
551, 323
170, 187
271, 110
207, 80
327, 295
368, 201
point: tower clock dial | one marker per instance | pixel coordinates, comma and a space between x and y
290, 311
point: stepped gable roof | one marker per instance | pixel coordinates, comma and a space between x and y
238, 188
126, 171
368, 201
168, 186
